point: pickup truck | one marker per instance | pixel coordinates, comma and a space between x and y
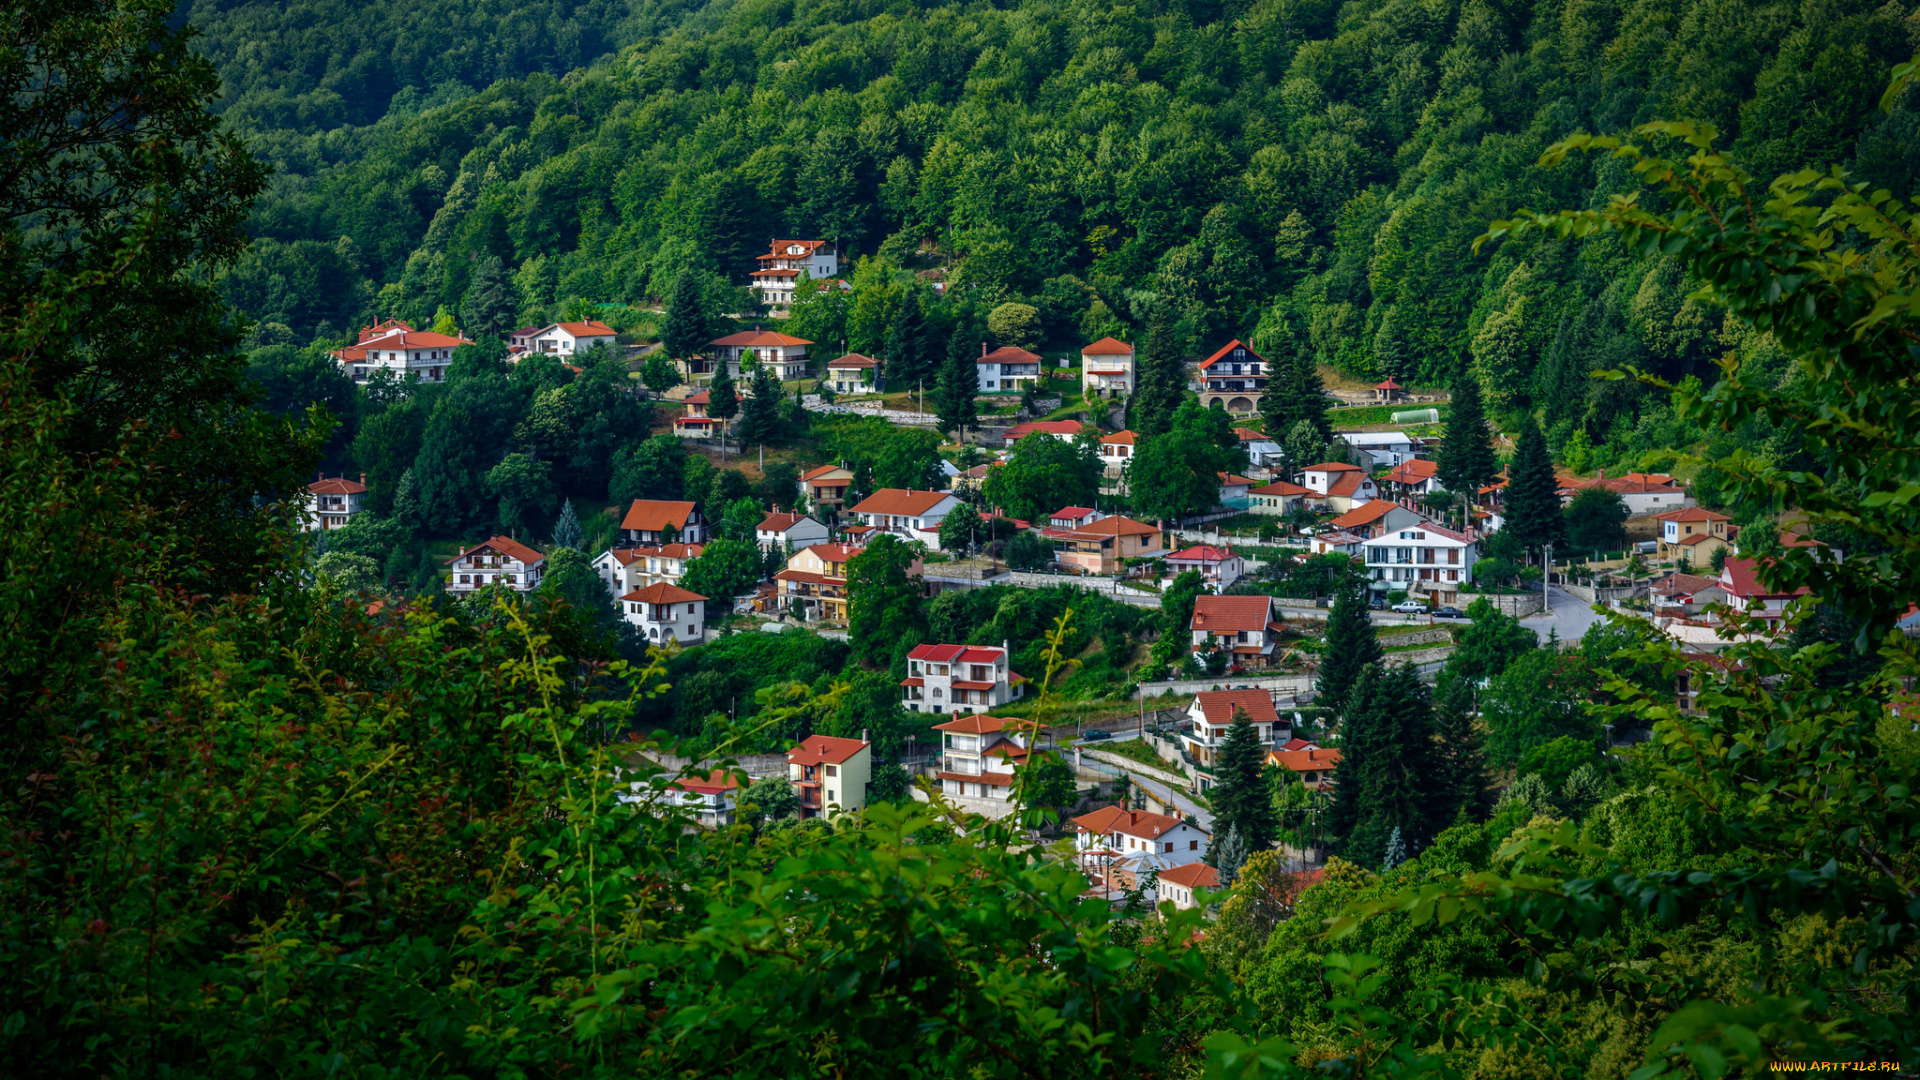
1410, 607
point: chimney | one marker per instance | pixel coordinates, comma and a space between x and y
863, 734
983, 349
363, 479
1603, 474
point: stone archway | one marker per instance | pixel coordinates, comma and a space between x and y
1240, 406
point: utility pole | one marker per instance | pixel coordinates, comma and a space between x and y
1546, 579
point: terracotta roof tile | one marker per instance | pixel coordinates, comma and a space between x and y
1218, 614
505, 545
1218, 706
654, 515
662, 593
824, 750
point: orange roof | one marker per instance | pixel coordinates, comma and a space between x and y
654, 515
1691, 513
1347, 483
662, 593
853, 360
1312, 759
1332, 467
1245, 434
336, 485
750, 338
704, 397
814, 474
1120, 438
401, 339
1222, 613
1193, 875
505, 545
1010, 354
1388, 385
973, 725
1365, 514
1201, 553
996, 779
1414, 471
1050, 427
1107, 346
900, 502
1228, 479
1108, 526
1281, 487
780, 522
1218, 706
590, 328
825, 750
1236, 343
713, 783
1139, 823
832, 553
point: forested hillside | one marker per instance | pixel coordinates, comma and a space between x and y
1297, 170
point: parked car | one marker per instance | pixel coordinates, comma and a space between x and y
1449, 612
1095, 736
1410, 607
1377, 603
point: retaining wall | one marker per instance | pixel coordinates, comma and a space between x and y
1295, 685
1129, 765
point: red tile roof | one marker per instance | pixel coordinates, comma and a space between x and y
758, 338
1218, 706
823, 470
995, 779
780, 522
1332, 467
1414, 471
1281, 488
704, 397
1691, 513
1140, 823
1741, 579
1049, 427
713, 783
1313, 759
654, 515
662, 593
336, 485
1201, 553
825, 750
854, 360
1219, 614
505, 545
1229, 347
1107, 346
590, 328
957, 654
1120, 438
900, 502
1010, 354
1193, 875
973, 725
1364, 514
1347, 484
1228, 479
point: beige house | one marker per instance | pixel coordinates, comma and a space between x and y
1097, 547
826, 486
629, 568
1107, 369
1177, 885
1279, 498
830, 775
1691, 536
853, 374
782, 354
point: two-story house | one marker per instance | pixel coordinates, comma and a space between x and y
853, 374
1211, 715
783, 531
710, 797
1247, 626
1425, 559
1064, 430
568, 338
1112, 833
1106, 369
333, 500
825, 487
394, 346
501, 560
830, 775
978, 755
1074, 517
1008, 369
1218, 566
1413, 478
1683, 596
1116, 453
814, 583
626, 569
784, 263
1099, 546
652, 522
960, 679
666, 613
1235, 377
1385, 449
1313, 764
1691, 536
1338, 486
1181, 885
1740, 580
1640, 493
1379, 516
907, 514
696, 424
784, 355
1279, 498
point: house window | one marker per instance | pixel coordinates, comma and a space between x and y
1193, 845
831, 771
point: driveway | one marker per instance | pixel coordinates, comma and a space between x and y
1570, 616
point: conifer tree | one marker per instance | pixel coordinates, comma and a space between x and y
1466, 456
688, 326
1162, 377
760, 411
908, 344
1240, 800
1309, 394
1385, 768
1351, 646
953, 395
723, 402
1459, 765
1533, 494
1277, 406
566, 529
1228, 856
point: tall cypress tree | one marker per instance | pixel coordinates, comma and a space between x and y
953, 395
1351, 646
1239, 793
1466, 457
1533, 494
1385, 768
1162, 377
689, 326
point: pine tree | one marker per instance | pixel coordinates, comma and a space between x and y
688, 327
909, 344
1239, 794
1460, 767
1309, 394
406, 501
1385, 768
953, 395
566, 529
1228, 856
760, 411
1396, 851
489, 305
1162, 377
723, 402
1351, 646
1466, 456
1533, 493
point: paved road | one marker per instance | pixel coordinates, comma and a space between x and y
1177, 796
1570, 617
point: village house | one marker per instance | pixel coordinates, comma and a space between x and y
1211, 714
1106, 369
783, 264
1263, 453
628, 568
1006, 370
696, 424
396, 347
1235, 377
783, 355
1064, 430
501, 560
971, 481
1116, 453
783, 532
1338, 486
1413, 478
666, 614
1643, 493
814, 583
1247, 626
710, 797
907, 514
853, 374
1220, 567
568, 338
826, 487
1313, 764
830, 775
1140, 841
1234, 490
1384, 449
1178, 885
1338, 540
1374, 518
652, 522
1740, 581
333, 500
1098, 546
1279, 498
1690, 536
978, 754
1074, 517
1423, 559
1683, 596
960, 679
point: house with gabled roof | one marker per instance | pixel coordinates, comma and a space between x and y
1235, 377
333, 500
788, 531
396, 347
1180, 885
853, 374
625, 569
1414, 477
1246, 626
978, 756
1740, 580
1114, 833
1064, 430
711, 797
666, 614
1370, 519
1424, 559
501, 560
907, 514
1338, 486
960, 679
1116, 453
1279, 498
1098, 546
695, 423
1211, 715
830, 774
1106, 369
1008, 369
1218, 566
782, 267
568, 338
1642, 493
825, 486
1313, 764
651, 522
1388, 392
814, 583
784, 355
1690, 536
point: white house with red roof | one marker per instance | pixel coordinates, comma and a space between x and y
1218, 565
1064, 430
1235, 377
960, 679
710, 797
1279, 498
1415, 476
1211, 714
978, 754
666, 614
785, 531
1421, 559
907, 514
651, 522
1236, 490
568, 338
394, 346
1116, 453
1337, 540
1312, 763
1379, 516
853, 374
1106, 369
696, 424
784, 263
1247, 626
501, 560
1008, 369
1643, 493
782, 354
1740, 580
1113, 836
1338, 486
830, 775
1074, 517
625, 569
333, 500
1180, 885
